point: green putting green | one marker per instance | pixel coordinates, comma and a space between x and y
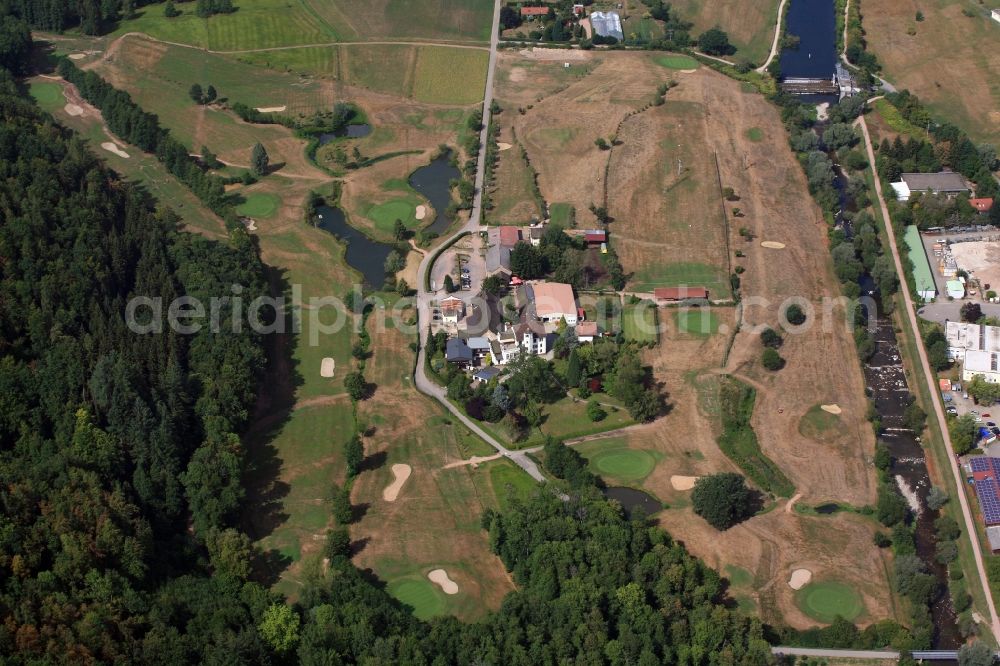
259, 204
825, 600
624, 464
676, 62
419, 594
697, 322
385, 214
819, 424
48, 95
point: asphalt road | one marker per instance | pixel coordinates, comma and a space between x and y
424, 383
911, 314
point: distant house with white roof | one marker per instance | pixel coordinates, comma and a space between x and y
963, 337
984, 363
551, 302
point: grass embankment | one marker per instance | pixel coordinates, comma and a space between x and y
739, 441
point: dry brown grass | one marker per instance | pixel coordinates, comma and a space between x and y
822, 368
952, 62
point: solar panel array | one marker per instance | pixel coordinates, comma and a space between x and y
989, 500
985, 464
988, 489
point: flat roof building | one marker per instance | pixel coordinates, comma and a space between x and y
922, 275
943, 182
984, 363
963, 337
986, 479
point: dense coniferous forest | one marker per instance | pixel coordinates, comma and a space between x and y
121, 462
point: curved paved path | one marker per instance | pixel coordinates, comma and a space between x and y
424, 383
911, 317
777, 38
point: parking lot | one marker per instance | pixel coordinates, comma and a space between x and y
466, 265
956, 404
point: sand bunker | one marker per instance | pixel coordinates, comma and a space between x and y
503, 146
112, 148
833, 409
250, 224
683, 482
800, 578
774, 245
326, 367
270, 109
421, 212
77, 56
440, 576
73, 109
402, 473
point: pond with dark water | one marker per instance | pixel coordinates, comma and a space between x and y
434, 182
632, 499
814, 22
363, 254
355, 131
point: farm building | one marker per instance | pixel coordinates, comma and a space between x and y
607, 24
595, 236
672, 294
986, 479
944, 182
532, 12
499, 242
963, 337
982, 205
922, 275
984, 363
551, 301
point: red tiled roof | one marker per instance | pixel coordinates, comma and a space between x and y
510, 236
595, 236
586, 328
679, 293
534, 11
982, 205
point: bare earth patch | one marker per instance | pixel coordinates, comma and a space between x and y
474, 461
73, 109
503, 146
555, 54
833, 409
981, 260
774, 245
326, 367
800, 578
113, 148
402, 473
683, 482
421, 212
440, 577
77, 56
271, 109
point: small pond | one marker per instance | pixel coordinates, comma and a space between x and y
632, 499
434, 182
363, 254
826, 509
355, 131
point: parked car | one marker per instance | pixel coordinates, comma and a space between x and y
990, 424
953, 410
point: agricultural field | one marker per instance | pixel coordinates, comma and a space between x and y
658, 149
749, 24
951, 61
261, 24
